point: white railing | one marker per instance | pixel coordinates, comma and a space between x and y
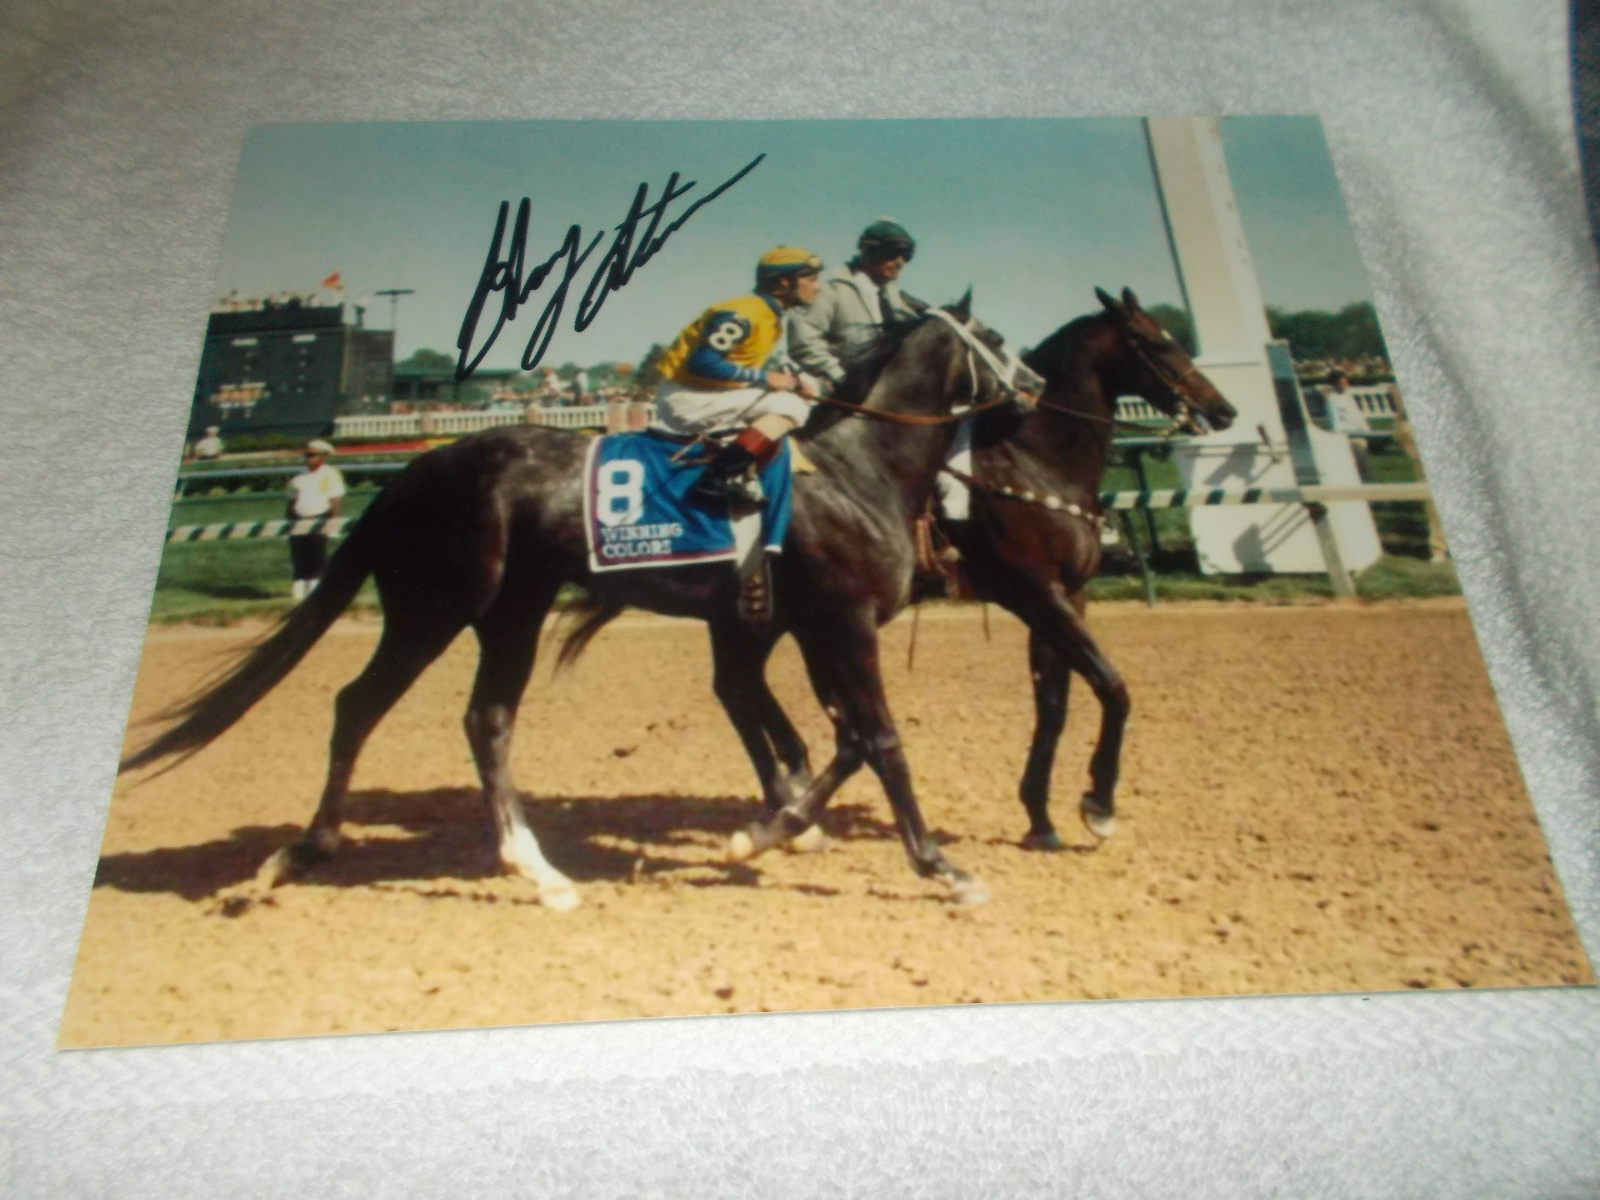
449, 424
468, 422
375, 427
590, 416
1131, 408
1376, 400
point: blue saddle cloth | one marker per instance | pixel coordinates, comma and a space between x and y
638, 512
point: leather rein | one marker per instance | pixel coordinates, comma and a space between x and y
1171, 380
1005, 373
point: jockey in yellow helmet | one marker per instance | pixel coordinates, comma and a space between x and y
715, 376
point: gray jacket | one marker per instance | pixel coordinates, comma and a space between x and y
844, 315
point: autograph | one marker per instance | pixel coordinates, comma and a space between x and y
615, 270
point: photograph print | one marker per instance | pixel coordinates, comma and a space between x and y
635, 569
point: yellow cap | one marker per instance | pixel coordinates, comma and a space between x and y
786, 260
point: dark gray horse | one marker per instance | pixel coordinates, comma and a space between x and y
486, 531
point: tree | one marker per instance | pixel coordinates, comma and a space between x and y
429, 360
1349, 333
1178, 323
648, 377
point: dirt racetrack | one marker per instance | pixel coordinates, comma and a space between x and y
1315, 798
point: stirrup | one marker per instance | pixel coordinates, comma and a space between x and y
735, 489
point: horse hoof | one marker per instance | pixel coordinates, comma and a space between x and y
741, 847
969, 891
560, 899
1048, 843
1102, 826
279, 868
810, 840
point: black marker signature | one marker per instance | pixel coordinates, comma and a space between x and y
612, 275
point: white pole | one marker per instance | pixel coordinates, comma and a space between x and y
1219, 280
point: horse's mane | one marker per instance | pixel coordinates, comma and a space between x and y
1048, 356
862, 366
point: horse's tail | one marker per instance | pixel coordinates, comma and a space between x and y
206, 715
591, 615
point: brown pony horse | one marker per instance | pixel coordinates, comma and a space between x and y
1032, 546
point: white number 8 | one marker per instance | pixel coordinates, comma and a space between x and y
725, 336
621, 492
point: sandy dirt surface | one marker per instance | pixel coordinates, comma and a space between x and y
1316, 798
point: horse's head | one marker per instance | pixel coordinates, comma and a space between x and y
1162, 372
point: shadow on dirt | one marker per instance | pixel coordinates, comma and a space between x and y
860, 823
446, 833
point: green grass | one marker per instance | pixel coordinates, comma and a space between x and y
1392, 577
219, 582
242, 505
226, 581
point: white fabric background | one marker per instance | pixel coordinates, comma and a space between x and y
1450, 126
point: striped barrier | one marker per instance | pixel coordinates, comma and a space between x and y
1310, 494
1168, 498
235, 530
230, 473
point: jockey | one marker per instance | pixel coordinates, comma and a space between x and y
854, 304
714, 376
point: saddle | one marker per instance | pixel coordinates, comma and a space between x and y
639, 512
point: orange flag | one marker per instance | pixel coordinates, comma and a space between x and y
332, 282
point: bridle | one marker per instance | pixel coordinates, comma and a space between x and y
1174, 381
1004, 368
1005, 372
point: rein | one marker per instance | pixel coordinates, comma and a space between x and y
1005, 375
1111, 422
894, 418
1173, 381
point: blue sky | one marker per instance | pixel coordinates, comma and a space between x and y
1293, 215
1033, 214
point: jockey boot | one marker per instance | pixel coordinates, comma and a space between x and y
727, 475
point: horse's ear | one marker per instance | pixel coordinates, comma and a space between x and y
1130, 300
1111, 306
963, 307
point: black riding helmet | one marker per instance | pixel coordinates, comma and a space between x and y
885, 239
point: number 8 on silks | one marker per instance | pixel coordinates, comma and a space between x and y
619, 493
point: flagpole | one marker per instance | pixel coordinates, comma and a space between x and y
394, 295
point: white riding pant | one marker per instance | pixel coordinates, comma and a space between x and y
955, 501
688, 412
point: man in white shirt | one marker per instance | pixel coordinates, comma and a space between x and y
209, 448
1345, 416
315, 492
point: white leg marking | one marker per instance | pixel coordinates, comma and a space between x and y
520, 855
810, 840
